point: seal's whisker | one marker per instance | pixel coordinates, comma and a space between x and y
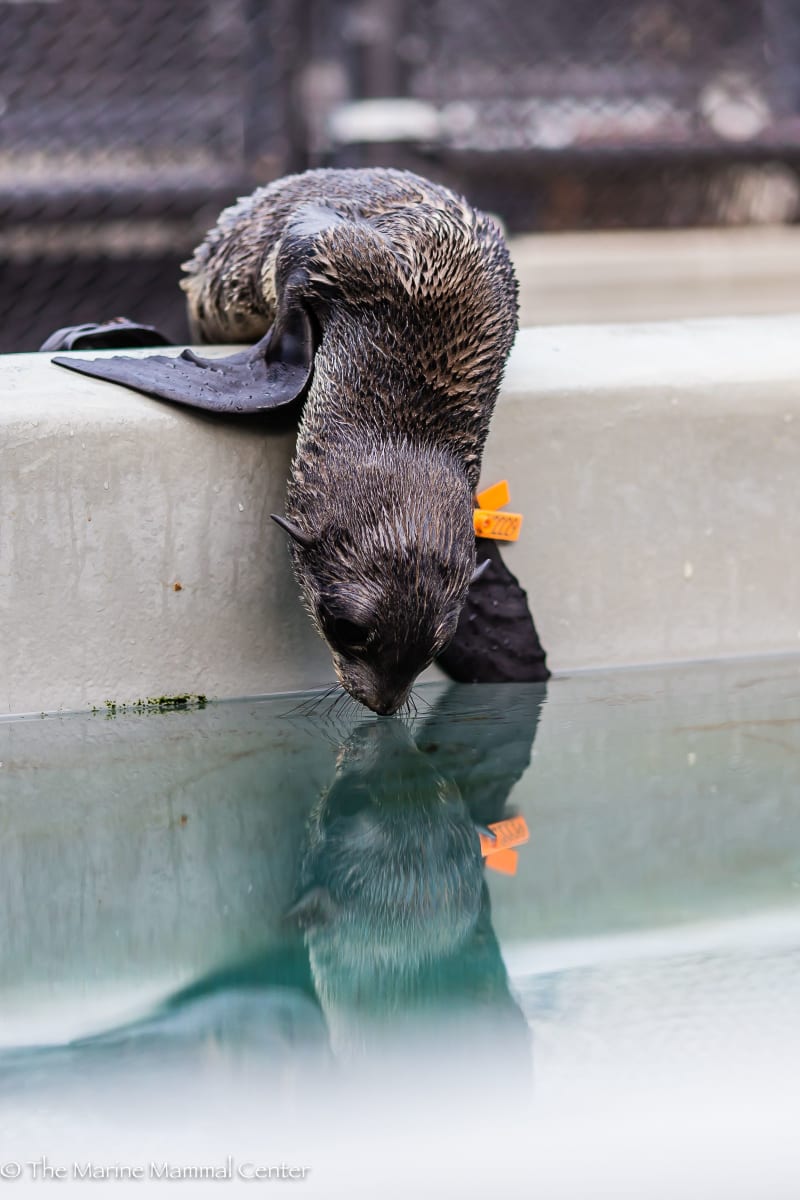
422, 699
297, 708
300, 710
320, 700
342, 696
307, 706
320, 729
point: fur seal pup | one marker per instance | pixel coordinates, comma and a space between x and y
389, 305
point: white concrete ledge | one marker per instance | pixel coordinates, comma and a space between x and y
657, 467
657, 275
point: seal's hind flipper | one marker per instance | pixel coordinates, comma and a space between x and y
271, 374
120, 333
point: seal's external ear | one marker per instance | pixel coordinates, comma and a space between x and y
294, 531
315, 907
271, 374
479, 570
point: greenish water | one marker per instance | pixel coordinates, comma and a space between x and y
268, 923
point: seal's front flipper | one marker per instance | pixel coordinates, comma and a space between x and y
271, 374
496, 640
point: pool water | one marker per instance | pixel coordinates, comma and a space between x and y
262, 932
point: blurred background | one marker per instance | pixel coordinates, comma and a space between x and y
126, 125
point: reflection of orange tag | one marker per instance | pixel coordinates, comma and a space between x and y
488, 522
497, 851
511, 832
503, 527
504, 861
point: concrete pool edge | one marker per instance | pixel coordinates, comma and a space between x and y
655, 465
607, 673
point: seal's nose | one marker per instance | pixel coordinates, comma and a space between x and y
380, 695
385, 705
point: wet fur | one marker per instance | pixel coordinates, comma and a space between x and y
414, 302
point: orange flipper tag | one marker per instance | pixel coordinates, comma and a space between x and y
496, 496
488, 522
503, 527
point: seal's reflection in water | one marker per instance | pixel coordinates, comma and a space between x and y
393, 896
389, 956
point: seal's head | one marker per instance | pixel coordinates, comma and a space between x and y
384, 566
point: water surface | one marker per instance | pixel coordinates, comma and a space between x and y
264, 930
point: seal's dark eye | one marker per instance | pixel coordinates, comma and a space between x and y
349, 633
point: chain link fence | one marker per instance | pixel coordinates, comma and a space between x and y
125, 125
570, 114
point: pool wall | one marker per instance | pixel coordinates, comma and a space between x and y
656, 466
